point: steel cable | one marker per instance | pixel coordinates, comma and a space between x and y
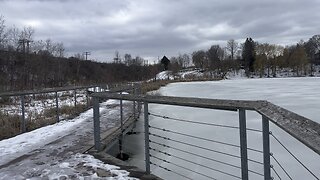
275, 172
200, 147
196, 137
205, 139
169, 170
208, 158
281, 167
198, 164
182, 167
188, 121
305, 167
202, 123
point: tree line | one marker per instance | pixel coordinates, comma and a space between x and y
255, 58
29, 64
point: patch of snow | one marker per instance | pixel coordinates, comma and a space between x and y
53, 166
29, 141
164, 75
191, 73
84, 166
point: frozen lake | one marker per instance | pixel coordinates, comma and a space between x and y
300, 95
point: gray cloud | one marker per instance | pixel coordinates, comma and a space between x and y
152, 28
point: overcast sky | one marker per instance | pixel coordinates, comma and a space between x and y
152, 28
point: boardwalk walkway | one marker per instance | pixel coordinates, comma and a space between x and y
58, 151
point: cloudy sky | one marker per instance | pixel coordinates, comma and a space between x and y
152, 28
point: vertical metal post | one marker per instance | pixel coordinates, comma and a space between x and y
243, 144
75, 98
266, 148
96, 123
146, 136
87, 97
121, 113
57, 106
134, 102
23, 121
121, 127
139, 102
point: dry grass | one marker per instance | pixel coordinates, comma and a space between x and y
10, 124
152, 86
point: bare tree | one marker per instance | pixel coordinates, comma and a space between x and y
60, 50
128, 59
232, 47
199, 59
186, 60
3, 33
117, 58
13, 38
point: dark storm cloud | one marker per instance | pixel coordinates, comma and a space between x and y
153, 28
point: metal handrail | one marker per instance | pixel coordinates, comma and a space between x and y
301, 128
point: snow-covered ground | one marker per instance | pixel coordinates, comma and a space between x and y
51, 152
300, 95
283, 73
36, 105
186, 74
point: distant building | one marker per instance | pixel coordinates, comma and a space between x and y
165, 61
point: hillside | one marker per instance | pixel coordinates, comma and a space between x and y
32, 71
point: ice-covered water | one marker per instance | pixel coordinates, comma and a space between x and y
300, 95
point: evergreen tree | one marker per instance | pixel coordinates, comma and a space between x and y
248, 55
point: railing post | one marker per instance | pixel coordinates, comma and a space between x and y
134, 102
266, 148
57, 106
96, 123
139, 102
121, 128
243, 144
23, 121
87, 96
146, 136
75, 97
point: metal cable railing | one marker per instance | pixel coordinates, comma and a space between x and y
188, 169
167, 141
193, 145
294, 156
195, 137
194, 154
193, 122
277, 174
202, 123
169, 170
198, 164
205, 139
283, 169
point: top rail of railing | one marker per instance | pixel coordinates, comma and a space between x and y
114, 87
301, 128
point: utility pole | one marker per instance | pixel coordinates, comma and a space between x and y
25, 45
87, 54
